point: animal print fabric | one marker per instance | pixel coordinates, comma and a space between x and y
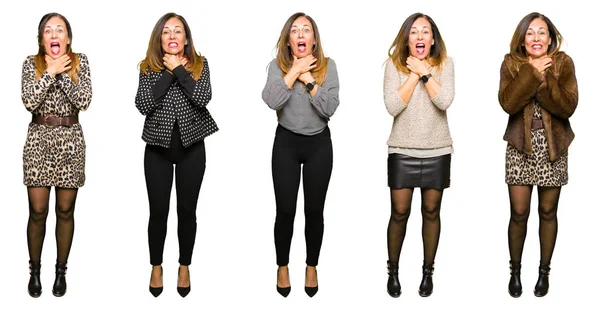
536, 169
55, 156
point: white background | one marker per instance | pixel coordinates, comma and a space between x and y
234, 258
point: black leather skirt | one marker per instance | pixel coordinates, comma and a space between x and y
408, 172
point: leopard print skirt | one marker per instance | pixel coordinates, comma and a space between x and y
535, 169
54, 156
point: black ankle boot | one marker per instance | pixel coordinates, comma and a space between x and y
60, 282
426, 287
35, 284
542, 285
393, 284
514, 284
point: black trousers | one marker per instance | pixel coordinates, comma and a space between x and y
313, 155
189, 169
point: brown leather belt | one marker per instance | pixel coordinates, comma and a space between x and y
536, 124
52, 121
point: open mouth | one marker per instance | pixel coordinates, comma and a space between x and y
54, 48
301, 47
173, 45
420, 48
536, 46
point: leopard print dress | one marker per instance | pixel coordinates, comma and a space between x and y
55, 156
536, 169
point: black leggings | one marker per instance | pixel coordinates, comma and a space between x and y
290, 152
189, 171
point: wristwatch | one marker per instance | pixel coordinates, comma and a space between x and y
425, 78
311, 85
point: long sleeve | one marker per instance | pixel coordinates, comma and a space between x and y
445, 96
33, 92
275, 94
145, 101
78, 94
161, 88
560, 96
326, 100
515, 93
391, 83
200, 91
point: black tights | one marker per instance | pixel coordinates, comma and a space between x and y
520, 201
431, 200
39, 198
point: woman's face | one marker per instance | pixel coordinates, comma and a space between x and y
173, 38
537, 39
420, 38
55, 37
302, 37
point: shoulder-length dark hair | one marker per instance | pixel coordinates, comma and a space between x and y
154, 54
40, 62
399, 51
284, 52
517, 49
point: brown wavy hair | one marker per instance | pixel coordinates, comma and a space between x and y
154, 54
39, 61
399, 51
517, 49
284, 52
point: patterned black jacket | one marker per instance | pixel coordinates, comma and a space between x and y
165, 98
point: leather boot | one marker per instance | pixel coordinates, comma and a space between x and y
393, 284
35, 284
426, 287
515, 288
542, 285
60, 282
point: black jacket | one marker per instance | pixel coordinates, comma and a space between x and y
165, 98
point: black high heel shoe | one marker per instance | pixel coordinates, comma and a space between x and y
283, 291
515, 288
543, 284
35, 284
183, 291
393, 284
60, 282
310, 290
156, 291
426, 287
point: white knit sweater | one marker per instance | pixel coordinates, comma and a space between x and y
422, 123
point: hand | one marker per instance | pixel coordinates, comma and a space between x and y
184, 60
171, 61
303, 65
541, 64
57, 66
417, 66
306, 77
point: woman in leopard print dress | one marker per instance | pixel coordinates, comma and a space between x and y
55, 87
538, 89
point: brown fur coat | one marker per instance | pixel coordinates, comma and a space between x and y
556, 92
